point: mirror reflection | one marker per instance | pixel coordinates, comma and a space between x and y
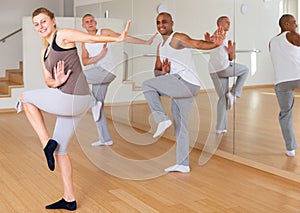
253, 131
258, 135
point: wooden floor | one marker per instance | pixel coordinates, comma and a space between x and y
129, 177
258, 135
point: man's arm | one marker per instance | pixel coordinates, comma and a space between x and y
184, 41
161, 68
294, 38
158, 64
86, 59
231, 50
128, 39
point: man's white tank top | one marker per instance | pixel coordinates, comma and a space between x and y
182, 62
219, 59
107, 62
285, 58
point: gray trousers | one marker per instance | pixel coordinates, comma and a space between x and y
100, 80
182, 94
221, 83
68, 108
285, 96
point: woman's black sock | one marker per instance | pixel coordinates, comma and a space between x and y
49, 150
62, 204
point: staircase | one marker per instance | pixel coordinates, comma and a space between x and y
13, 79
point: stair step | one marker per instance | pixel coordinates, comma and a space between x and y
16, 78
4, 87
13, 79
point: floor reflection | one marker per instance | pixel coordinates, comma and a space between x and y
257, 131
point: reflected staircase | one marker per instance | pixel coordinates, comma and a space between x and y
135, 86
13, 79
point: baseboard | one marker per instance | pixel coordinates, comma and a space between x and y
8, 110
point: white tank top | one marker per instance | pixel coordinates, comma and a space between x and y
218, 59
285, 58
94, 49
182, 62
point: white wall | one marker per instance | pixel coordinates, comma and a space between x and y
32, 69
194, 17
118, 92
33, 77
12, 12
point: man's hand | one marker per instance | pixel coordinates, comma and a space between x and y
166, 66
231, 47
207, 36
218, 37
150, 41
104, 50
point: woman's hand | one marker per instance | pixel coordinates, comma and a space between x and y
59, 73
125, 32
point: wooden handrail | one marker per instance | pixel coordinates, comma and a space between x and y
9, 35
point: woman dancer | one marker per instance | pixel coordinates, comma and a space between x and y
68, 95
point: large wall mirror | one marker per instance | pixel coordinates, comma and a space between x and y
258, 134
254, 135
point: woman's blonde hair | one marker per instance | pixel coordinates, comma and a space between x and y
46, 12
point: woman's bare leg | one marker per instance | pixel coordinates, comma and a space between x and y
36, 120
68, 201
65, 168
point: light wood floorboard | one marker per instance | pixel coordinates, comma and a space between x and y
128, 177
258, 135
